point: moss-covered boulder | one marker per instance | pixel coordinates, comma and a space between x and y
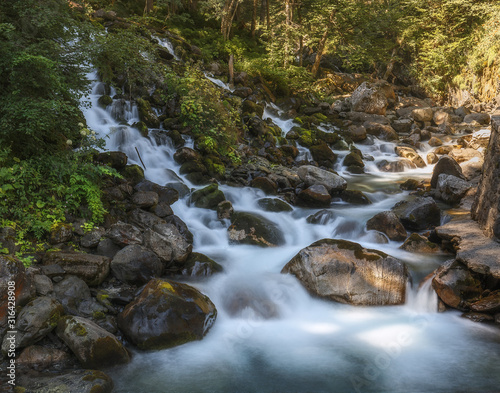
249, 228
133, 173
167, 314
147, 114
208, 197
104, 101
93, 346
61, 233
346, 272
323, 155
249, 107
114, 159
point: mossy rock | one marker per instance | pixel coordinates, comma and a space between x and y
146, 113
208, 197
249, 107
353, 159
323, 155
274, 205
104, 101
355, 197
249, 228
142, 127
192, 167
215, 166
328, 137
200, 265
133, 173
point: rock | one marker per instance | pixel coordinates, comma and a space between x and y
488, 304
146, 114
353, 159
355, 197
418, 214
250, 107
39, 358
411, 185
274, 205
410, 154
395, 166
71, 292
38, 318
478, 317
388, 223
8, 240
446, 165
368, 98
402, 126
346, 272
145, 199
418, 243
422, 114
481, 118
93, 346
162, 210
432, 158
381, 131
199, 265
133, 173
92, 238
314, 196
136, 265
78, 381
312, 175
477, 140
166, 194
107, 248
356, 133
177, 237
451, 189
43, 285
322, 217
323, 155
360, 118
167, 314
461, 155
208, 197
441, 117
263, 183
456, 286
435, 142
224, 210
124, 234
92, 269
114, 159
144, 220
249, 228
61, 233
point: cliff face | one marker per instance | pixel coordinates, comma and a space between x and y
487, 203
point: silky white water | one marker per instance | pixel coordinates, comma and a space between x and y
281, 339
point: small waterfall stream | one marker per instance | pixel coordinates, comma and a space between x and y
280, 339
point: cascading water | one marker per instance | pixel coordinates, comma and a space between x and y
270, 334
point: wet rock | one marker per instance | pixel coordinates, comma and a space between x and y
39, 358
395, 166
114, 159
451, 189
478, 317
263, 183
356, 133
92, 238
314, 196
274, 205
346, 272
146, 114
143, 220
78, 381
199, 265
224, 210
322, 217
312, 175
145, 199
107, 248
159, 245
446, 165
381, 131
488, 304
481, 118
461, 155
123, 234
92, 269
323, 155
93, 346
250, 107
355, 197
422, 114
38, 318
43, 285
353, 159
162, 210
435, 142
62, 233
369, 98
411, 185
410, 154
456, 286
249, 228
71, 292
402, 126
208, 197
136, 265
181, 227
418, 214
178, 238
133, 173
419, 243
167, 314
166, 194
388, 223
432, 158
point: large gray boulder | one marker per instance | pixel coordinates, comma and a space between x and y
312, 175
136, 265
451, 189
448, 166
123, 234
167, 314
249, 228
346, 272
369, 98
418, 214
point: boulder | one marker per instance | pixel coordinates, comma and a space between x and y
38, 318
322, 217
381, 131
481, 118
61, 233
114, 159
166, 194
274, 205
434, 142
71, 292
78, 381
346, 272
93, 346
422, 114
355, 197
353, 159
488, 304
419, 243
143, 220
456, 286
356, 133
145, 199
323, 155
312, 175
368, 98
92, 269
39, 358
387, 222
249, 228
208, 197
418, 214
136, 265
167, 314
314, 196
451, 189
123, 234
92, 238
402, 126
177, 237
410, 154
446, 165
199, 265
265, 184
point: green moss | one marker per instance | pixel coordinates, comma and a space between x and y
104, 101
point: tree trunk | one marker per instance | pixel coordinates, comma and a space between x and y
301, 40
263, 12
254, 18
228, 14
231, 70
148, 7
322, 44
267, 16
287, 31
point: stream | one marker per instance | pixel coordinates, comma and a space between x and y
284, 340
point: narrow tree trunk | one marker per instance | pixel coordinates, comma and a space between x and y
287, 31
322, 44
148, 7
301, 40
228, 15
254, 18
231, 70
263, 12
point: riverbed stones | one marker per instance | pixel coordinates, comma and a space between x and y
451, 189
38, 357
346, 272
93, 346
448, 166
136, 265
38, 318
382, 131
481, 118
422, 114
92, 269
123, 234
167, 314
250, 228
410, 154
208, 197
388, 223
418, 214
315, 196
312, 175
